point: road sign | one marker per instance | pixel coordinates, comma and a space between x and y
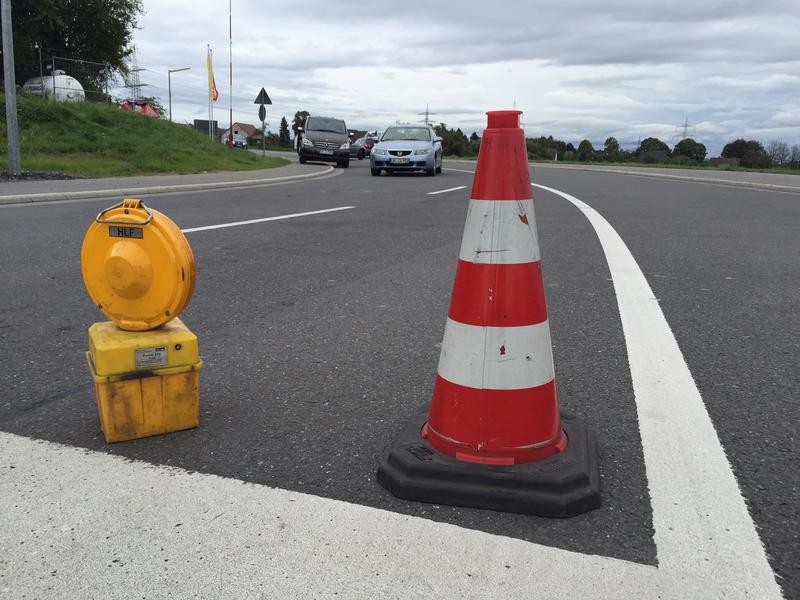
262, 97
262, 113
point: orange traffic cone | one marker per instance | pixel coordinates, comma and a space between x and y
494, 437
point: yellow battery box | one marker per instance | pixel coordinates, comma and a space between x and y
146, 382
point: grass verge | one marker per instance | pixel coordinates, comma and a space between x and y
98, 140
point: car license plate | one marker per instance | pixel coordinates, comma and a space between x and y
326, 151
400, 161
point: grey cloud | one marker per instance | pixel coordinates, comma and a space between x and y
627, 69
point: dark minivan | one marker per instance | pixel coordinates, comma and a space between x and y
324, 138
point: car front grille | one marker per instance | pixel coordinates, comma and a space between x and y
326, 145
399, 152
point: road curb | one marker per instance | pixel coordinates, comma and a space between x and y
156, 189
731, 183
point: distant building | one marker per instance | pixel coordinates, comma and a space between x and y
251, 132
201, 125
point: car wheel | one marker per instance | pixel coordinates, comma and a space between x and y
439, 168
361, 155
430, 172
302, 159
375, 171
344, 163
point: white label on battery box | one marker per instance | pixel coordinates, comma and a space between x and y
151, 357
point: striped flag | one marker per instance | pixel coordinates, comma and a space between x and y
213, 93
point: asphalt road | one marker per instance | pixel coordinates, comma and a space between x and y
320, 336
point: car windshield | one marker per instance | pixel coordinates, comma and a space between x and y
325, 124
407, 133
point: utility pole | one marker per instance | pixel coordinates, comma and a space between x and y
12, 127
427, 114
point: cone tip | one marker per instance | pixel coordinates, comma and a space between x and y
503, 119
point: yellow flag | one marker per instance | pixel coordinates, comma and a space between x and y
213, 93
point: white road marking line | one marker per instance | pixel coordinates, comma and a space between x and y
162, 531
453, 189
700, 518
264, 220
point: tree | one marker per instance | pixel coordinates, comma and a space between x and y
544, 148
794, 157
474, 143
91, 30
585, 151
778, 152
652, 144
611, 149
283, 134
751, 154
454, 143
690, 149
299, 119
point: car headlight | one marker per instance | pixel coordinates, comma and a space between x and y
344, 146
379, 151
422, 151
308, 142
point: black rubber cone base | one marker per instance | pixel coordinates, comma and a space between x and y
563, 485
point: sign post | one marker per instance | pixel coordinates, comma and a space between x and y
263, 99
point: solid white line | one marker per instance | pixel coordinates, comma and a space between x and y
460, 187
153, 531
500, 232
264, 220
496, 358
700, 518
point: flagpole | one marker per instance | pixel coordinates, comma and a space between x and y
210, 113
230, 69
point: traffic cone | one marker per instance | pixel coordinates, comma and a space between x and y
493, 437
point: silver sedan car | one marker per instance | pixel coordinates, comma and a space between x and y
407, 148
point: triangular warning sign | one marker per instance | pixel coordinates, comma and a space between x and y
262, 97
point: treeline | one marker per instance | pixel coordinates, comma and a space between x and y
745, 153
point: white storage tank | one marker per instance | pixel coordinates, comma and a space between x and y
60, 85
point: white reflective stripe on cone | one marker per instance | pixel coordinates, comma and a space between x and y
497, 358
500, 232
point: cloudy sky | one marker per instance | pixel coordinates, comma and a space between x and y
577, 69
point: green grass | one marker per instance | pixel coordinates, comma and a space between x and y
98, 140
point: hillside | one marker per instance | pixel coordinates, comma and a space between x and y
97, 140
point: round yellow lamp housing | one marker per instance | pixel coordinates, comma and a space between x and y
138, 266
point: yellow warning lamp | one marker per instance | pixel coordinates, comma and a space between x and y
137, 265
